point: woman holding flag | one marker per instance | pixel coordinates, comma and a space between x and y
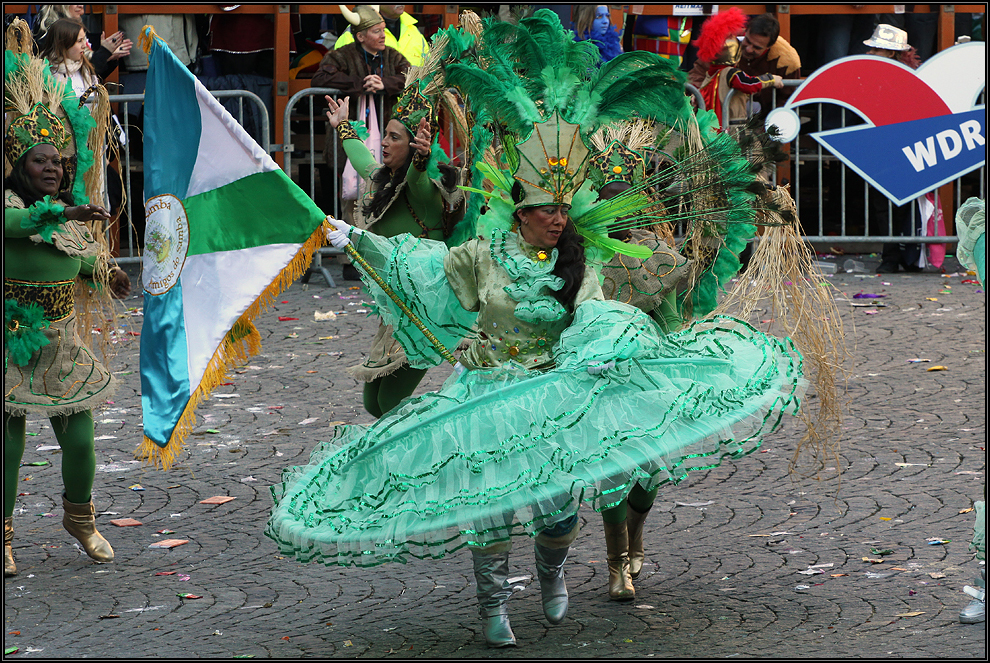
562, 397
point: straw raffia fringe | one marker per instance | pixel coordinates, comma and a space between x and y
780, 269
231, 353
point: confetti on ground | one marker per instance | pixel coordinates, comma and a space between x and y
165, 531
917, 361
188, 596
166, 573
283, 318
329, 315
169, 543
910, 614
38, 463
936, 368
136, 487
872, 561
936, 575
308, 421
878, 551
218, 499
936, 541
126, 522
966, 510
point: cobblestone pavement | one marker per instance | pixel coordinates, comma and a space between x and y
724, 549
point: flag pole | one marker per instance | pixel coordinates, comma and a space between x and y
369, 270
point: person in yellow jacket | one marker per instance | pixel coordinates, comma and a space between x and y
411, 42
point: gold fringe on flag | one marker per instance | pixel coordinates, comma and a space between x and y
240, 344
147, 38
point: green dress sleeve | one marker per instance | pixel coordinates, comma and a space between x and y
460, 266
12, 218
360, 157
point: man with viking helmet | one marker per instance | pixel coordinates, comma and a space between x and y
401, 33
49, 240
371, 74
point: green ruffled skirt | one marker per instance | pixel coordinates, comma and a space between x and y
506, 451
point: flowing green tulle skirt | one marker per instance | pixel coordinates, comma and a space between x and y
507, 451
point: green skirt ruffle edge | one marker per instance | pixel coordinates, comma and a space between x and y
506, 452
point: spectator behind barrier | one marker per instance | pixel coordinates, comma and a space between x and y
105, 57
594, 23
763, 51
410, 42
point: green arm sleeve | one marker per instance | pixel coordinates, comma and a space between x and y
419, 188
12, 218
460, 266
666, 314
361, 158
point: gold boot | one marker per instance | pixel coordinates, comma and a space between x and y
620, 587
9, 568
634, 525
80, 521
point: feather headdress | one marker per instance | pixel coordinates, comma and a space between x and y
717, 30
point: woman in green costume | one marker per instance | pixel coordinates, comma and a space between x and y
407, 198
48, 371
650, 285
562, 397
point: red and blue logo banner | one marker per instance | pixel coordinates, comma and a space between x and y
923, 128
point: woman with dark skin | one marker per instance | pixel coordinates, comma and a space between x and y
32, 266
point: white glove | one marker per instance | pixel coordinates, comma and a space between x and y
598, 369
460, 368
340, 236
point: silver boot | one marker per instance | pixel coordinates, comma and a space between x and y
550, 569
976, 611
491, 573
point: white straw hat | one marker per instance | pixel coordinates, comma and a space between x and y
889, 38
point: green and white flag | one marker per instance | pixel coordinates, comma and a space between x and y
226, 232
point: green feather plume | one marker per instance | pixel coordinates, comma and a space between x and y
21, 343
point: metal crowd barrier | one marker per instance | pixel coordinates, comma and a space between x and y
315, 112
816, 158
129, 250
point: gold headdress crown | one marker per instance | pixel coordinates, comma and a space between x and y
617, 156
552, 163
38, 127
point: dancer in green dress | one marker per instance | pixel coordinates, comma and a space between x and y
562, 398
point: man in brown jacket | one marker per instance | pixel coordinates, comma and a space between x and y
763, 52
365, 67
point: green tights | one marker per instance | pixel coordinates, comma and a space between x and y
384, 393
74, 434
639, 499
666, 314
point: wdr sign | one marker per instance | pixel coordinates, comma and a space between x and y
924, 128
